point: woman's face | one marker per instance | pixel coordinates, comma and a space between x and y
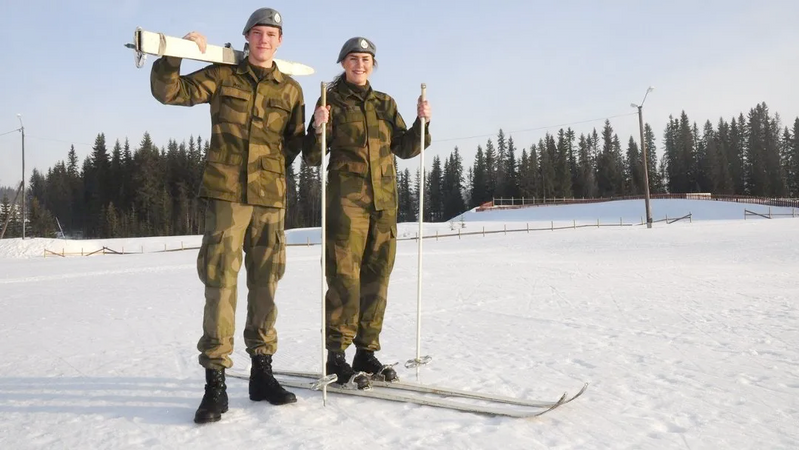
358, 67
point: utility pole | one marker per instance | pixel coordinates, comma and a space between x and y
22, 129
645, 157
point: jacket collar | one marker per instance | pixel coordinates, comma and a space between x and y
276, 75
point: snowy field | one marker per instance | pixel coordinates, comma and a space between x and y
688, 334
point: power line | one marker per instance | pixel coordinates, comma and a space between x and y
60, 140
9, 132
525, 130
537, 128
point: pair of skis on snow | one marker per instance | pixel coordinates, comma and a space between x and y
152, 43
433, 396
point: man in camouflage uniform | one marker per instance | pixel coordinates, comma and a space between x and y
365, 130
257, 130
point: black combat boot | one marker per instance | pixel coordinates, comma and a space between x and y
337, 364
264, 386
214, 402
366, 361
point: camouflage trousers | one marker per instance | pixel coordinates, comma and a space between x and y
360, 251
259, 232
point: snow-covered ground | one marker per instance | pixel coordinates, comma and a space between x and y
688, 334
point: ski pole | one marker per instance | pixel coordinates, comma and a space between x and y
323, 176
419, 360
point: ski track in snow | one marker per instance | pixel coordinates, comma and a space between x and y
688, 334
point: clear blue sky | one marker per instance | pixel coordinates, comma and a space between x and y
516, 65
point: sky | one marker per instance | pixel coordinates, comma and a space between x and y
526, 67
686, 334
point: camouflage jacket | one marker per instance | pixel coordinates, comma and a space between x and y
362, 136
257, 128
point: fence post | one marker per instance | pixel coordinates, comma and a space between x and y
552, 225
459, 233
505, 228
597, 222
142, 249
690, 217
528, 227
484, 231
575, 223
769, 212
436, 234
181, 245
123, 250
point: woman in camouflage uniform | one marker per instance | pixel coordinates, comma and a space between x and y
364, 132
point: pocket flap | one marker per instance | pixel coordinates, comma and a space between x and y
230, 91
349, 166
278, 103
272, 165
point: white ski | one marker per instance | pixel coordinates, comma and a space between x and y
450, 392
152, 43
381, 394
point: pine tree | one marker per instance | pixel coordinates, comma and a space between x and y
755, 161
609, 166
511, 171
736, 154
534, 171
563, 176
722, 149
479, 187
501, 175
452, 186
147, 177
111, 226
6, 210
308, 197
655, 180
525, 180
585, 187
793, 161
547, 151
434, 201
72, 166
406, 211
774, 166
490, 171
294, 205
41, 222
635, 169
703, 163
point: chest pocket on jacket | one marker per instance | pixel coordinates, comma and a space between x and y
385, 127
349, 128
234, 105
277, 115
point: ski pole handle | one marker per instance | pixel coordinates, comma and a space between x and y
324, 95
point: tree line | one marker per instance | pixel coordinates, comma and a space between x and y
149, 191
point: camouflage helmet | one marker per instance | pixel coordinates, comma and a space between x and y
357, 45
264, 16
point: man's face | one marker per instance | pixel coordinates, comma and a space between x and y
263, 41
